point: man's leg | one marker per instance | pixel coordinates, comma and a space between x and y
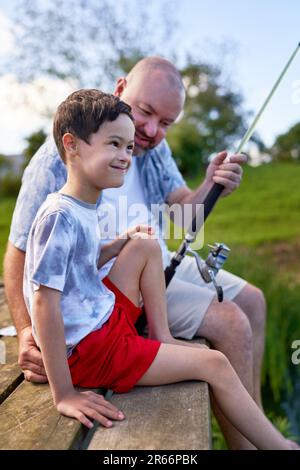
252, 302
228, 330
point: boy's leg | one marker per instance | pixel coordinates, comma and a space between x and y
139, 269
175, 363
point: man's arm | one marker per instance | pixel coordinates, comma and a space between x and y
50, 332
30, 359
229, 174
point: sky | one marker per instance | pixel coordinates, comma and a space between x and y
264, 34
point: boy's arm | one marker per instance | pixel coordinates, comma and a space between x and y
112, 249
30, 359
50, 331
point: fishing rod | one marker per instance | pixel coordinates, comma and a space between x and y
219, 252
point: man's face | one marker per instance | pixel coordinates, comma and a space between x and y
106, 159
155, 106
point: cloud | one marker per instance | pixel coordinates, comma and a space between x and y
27, 107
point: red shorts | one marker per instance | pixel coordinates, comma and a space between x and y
115, 356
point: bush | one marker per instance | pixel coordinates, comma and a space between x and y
10, 185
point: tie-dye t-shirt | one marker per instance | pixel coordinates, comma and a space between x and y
62, 253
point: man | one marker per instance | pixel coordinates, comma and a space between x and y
154, 90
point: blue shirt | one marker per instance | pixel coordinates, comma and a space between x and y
46, 173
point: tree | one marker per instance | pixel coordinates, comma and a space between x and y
5, 164
287, 146
213, 118
34, 141
87, 41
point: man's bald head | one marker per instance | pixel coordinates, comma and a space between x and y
154, 90
149, 66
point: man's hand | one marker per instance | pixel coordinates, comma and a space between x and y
85, 405
229, 174
30, 358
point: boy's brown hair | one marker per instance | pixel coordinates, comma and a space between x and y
83, 112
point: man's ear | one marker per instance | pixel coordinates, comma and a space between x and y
120, 87
70, 144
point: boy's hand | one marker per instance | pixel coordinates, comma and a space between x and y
139, 231
30, 358
85, 405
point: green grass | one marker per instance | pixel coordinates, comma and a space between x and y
6, 210
265, 209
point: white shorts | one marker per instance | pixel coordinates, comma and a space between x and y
188, 297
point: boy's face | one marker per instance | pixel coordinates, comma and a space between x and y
104, 162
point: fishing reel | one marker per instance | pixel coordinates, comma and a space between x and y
214, 262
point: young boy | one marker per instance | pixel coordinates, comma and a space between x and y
85, 326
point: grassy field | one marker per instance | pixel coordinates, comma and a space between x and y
6, 210
261, 225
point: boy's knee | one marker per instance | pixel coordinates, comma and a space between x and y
147, 246
144, 249
218, 363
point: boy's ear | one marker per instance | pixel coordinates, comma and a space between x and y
70, 144
120, 87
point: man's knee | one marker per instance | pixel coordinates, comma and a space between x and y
252, 301
226, 322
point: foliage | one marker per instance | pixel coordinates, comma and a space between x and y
6, 210
85, 41
9, 182
287, 146
10, 185
212, 121
5, 163
34, 141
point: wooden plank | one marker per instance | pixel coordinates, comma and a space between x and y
169, 417
10, 373
159, 418
29, 420
28, 417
